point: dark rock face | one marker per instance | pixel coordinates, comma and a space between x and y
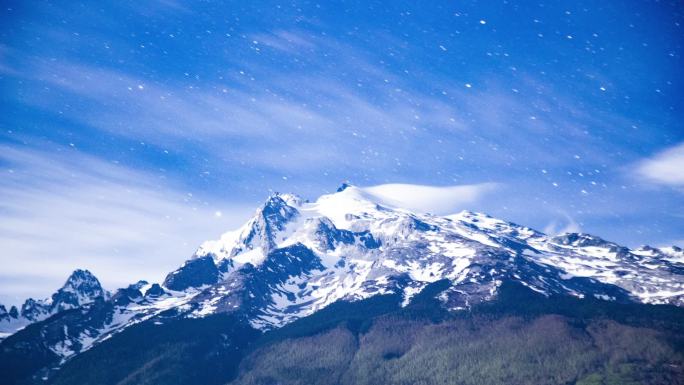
579, 240
155, 291
33, 310
195, 273
270, 219
343, 187
80, 288
329, 237
250, 289
281, 264
226, 265
7, 315
3, 310
129, 294
290, 261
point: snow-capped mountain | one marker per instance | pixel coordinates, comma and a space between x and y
295, 257
81, 288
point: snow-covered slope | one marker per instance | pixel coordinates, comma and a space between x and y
295, 257
349, 247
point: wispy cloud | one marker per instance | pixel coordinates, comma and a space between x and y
290, 42
266, 127
561, 226
299, 122
65, 210
429, 199
664, 168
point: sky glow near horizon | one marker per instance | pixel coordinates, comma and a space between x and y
132, 131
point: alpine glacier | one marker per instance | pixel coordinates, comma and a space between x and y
295, 257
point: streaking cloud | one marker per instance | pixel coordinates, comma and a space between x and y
665, 167
438, 200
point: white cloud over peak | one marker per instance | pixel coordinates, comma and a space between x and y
665, 167
433, 199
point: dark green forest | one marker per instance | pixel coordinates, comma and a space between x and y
521, 338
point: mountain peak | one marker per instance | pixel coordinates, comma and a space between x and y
580, 240
8, 315
277, 201
278, 198
344, 186
80, 277
80, 288
258, 235
83, 281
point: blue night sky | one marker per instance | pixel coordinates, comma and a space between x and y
132, 131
